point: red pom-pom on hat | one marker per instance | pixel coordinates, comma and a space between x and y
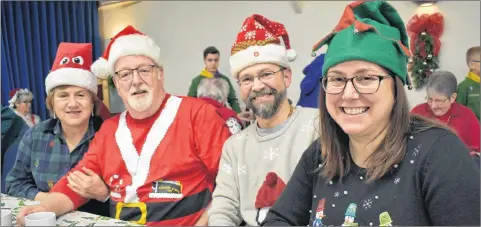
270, 190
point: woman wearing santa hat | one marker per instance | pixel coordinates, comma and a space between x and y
51, 148
21, 103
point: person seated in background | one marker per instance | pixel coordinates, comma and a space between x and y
375, 164
159, 158
214, 91
211, 70
51, 148
21, 104
468, 89
257, 162
13, 128
441, 105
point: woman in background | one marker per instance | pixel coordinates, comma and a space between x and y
215, 92
50, 149
21, 103
441, 105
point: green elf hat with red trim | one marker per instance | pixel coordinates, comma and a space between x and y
369, 31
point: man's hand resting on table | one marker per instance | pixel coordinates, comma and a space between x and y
88, 185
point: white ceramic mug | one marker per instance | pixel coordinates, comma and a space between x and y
6, 217
41, 219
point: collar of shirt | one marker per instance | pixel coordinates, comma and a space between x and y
55, 127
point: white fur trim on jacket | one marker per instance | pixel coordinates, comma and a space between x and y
271, 53
71, 76
134, 44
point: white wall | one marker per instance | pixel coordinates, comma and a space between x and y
183, 29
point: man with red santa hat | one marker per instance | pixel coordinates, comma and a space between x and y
155, 157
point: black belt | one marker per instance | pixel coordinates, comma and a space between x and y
141, 212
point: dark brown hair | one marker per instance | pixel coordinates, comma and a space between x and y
334, 143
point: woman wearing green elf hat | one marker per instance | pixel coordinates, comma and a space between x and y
374, 163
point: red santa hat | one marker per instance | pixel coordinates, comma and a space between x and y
72, 67
258, 42
320, 205
129, 41
16, 93
270, 190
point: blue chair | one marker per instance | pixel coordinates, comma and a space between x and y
9, 161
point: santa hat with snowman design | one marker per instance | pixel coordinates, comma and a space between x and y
129, 41
258, 42
72, 67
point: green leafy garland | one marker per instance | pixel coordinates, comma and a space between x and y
424, 61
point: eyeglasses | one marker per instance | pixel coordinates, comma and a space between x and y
143, 71
437, 101
476, 61
364, 84
264, 77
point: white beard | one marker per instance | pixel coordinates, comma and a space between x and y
140, 104
262, 214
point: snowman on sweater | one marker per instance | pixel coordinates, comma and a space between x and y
267, 195
319, 212
350, 215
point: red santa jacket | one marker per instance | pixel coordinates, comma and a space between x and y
459, 118
160, 170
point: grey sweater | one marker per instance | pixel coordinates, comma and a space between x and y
246, 159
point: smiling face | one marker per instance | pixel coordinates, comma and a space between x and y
139, 90
361, 114
72, 105
264, 94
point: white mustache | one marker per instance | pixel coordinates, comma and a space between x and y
139, 90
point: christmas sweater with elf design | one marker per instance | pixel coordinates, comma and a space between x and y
435, 184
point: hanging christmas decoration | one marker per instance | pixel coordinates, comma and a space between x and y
424, 31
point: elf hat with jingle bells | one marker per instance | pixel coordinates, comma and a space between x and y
369, 31
258, 42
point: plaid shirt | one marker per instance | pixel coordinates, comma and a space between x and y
43, 158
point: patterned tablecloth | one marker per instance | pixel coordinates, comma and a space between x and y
74, 218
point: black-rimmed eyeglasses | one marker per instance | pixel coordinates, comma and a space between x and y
143, 71
364, 84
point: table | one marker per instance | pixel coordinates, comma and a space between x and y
74, 218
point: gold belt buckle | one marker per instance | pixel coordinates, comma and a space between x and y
143, 211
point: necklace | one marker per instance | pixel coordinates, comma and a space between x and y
290, 111
449, 119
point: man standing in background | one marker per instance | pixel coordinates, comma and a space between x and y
211, 70
468, 90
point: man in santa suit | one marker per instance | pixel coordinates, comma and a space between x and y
160, 157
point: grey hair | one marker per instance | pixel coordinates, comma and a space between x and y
215, 88
442, 82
